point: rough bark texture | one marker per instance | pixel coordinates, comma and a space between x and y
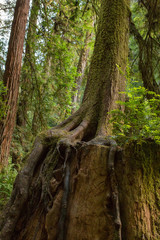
45, 204
139, 184
12, 75
111, 50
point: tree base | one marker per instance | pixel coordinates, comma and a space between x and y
78, 192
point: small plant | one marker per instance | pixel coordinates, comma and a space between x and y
7, 177
141, 118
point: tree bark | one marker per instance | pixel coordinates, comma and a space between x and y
88, 204
12, 75
104, 79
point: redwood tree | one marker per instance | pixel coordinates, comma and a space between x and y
71, 186
11, 77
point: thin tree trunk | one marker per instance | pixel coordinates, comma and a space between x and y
28, 65
146, 60
81, 70
12, 76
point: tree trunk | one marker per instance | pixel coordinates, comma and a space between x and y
90, 203
28, 66
139, 183
81, 70
69, 188
12, 75
146, 60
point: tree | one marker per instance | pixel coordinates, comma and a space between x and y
6, 12
11, 77
147, 37
89, 122
84, 53
72, 189
51, 72
28, 64
71, 186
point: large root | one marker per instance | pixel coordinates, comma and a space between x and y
20, 192
48, 169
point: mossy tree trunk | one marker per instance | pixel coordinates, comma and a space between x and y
139, 191
38, 205
77, 183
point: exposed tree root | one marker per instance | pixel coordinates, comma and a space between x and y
114, 190
50, 159
64, 203
20, 192
108, 141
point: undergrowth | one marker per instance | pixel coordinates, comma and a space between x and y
7, 177
141, 118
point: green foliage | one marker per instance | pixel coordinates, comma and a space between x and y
54, 39
141, 118
49, 69
7, 177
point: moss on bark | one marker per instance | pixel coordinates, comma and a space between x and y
91, 206
139, 187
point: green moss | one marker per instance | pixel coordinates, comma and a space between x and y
52, 137
144, 162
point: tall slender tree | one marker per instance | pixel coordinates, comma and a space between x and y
12, 75
84, 53
28, 65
